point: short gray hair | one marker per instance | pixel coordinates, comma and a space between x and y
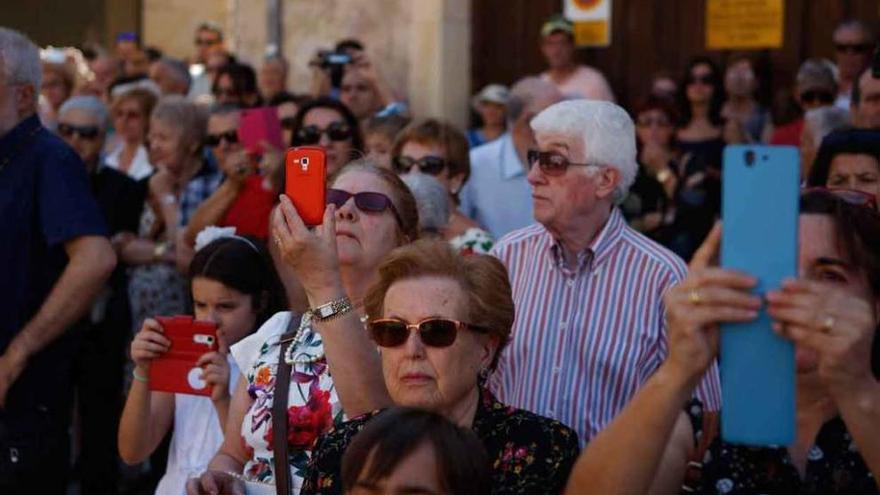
90, 104
432, 201
184, 115
21, 59
178, 68
525, 92
607, 131
823, 121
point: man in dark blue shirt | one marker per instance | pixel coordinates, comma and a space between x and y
54, 259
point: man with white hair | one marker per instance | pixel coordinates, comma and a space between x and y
54, 259
171, 76
588, 289
497, 194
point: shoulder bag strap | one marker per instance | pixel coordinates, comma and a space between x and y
279, 411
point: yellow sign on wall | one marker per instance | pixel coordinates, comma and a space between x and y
744, 24
592, 21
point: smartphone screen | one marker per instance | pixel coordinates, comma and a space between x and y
305, 178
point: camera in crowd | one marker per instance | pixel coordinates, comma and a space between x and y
334, 63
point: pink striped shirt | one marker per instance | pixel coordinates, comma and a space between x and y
585, 340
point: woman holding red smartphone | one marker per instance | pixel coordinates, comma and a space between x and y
233, 285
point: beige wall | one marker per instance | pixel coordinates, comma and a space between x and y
421, 46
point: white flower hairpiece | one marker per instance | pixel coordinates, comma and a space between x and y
211, 233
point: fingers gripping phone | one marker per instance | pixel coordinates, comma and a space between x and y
760, 195
305, 176
176, 370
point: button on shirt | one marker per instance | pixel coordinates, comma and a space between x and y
585, 339
497, 194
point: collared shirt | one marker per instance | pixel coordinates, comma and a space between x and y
585, 339
140, 167
198, 189
497, 194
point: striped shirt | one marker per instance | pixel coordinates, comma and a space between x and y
585, 339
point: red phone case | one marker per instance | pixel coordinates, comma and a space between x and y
260, 124
176, 370
305, 182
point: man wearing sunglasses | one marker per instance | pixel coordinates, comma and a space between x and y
853, 47
587, 288
54, 260
815, 87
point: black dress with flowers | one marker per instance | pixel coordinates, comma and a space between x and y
528, 453
834, 466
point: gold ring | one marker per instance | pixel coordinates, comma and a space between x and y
827, 324
694, 297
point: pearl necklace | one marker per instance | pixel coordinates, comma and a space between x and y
298, 339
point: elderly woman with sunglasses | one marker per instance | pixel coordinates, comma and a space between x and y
440, 150
329, 124
830, 313
335, 370
441, 320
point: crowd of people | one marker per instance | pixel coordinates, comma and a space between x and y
501, 309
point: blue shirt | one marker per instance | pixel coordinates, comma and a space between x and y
45, 201
497, 194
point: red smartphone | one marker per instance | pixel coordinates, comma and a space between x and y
305, 177
257, 125
176, 370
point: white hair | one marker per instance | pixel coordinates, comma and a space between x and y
432, 201
90, 104
21, 59
607, 131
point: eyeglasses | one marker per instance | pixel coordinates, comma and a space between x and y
434, 332
856, 48
649, 122
814, 96
706, 79
552, 163
370, 202
851, 196
311, 134
430, 165
214, 140
288, 123
89, 132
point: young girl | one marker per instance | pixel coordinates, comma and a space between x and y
234, 285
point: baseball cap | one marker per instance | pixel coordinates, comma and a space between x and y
555, 24
493, 93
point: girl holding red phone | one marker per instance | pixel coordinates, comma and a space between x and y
233, 285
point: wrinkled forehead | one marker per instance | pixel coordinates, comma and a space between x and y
570, 144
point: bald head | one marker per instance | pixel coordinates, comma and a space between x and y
529, 96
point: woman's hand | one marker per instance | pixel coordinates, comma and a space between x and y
311, 254
696, 306
162, 183
148, 344
237, 167
215, 483
216, 374
829, 320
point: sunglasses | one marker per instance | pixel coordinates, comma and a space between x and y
552, 163
851, 196
430, 165
707, 79
288, 123
852, 48
370, 202
214, 140
817, 96
89, 132
434, 332
311, 134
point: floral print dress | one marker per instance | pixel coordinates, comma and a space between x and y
313, 406
528, 453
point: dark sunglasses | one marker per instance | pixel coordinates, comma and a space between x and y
552, 163
431, 165
370, 202
853, 48
851, 196
89, 132
707, 79
817, 96
311, 134
288, 123
434, 332
214, 140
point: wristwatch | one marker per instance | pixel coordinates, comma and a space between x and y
332, 309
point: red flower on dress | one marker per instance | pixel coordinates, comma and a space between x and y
306, 423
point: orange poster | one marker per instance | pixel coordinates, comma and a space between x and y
744, 24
